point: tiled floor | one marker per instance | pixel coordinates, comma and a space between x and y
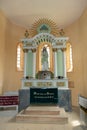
6, 122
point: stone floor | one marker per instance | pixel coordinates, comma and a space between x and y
7, 122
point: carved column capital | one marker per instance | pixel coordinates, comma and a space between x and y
54, 49
34, 50
63, 49
25, 50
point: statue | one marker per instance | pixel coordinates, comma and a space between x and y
44, 59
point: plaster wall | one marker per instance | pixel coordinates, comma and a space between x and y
77, 32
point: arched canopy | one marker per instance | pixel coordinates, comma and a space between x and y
57, 42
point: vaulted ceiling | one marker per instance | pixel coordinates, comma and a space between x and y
26, 12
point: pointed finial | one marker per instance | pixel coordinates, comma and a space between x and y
26, 33
61, 32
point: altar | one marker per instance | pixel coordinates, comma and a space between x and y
45, 65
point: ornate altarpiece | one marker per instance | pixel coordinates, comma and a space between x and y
44, 32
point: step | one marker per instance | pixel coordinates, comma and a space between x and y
31, 112
41, 119
45, 110
41, 114
55, 108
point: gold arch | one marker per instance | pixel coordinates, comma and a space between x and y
38, 56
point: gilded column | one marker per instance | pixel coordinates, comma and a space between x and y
34, 62
55, 62
25, 62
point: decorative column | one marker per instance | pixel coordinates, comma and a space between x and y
25, 62
34, 62
55, 62
64, 62
60, 63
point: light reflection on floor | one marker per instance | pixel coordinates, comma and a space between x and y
76, 123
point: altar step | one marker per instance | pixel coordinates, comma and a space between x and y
42, 114
44, 110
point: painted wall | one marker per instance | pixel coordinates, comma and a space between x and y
77, 33
2, 48
10, 34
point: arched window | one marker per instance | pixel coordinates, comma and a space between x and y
20, 57
69, 63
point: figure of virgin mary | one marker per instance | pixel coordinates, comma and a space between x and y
44, 59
